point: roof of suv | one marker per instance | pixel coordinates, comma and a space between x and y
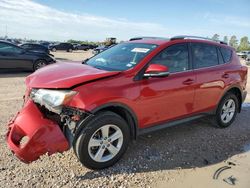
161, 41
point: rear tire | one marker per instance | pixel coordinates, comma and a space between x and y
70, 50
226, 111
102, 141
53, 49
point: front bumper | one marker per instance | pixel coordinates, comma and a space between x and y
42, 135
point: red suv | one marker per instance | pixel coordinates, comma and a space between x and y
132, 88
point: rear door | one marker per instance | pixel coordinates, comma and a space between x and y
210, 76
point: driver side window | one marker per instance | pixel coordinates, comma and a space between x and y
174, 57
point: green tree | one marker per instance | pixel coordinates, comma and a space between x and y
233, 42
225, 39
244, 44
216, 37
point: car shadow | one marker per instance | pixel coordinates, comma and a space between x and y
194, 144
14, 73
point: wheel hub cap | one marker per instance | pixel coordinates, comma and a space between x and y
228, 111
105, 143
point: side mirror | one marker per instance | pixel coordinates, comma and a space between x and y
156, 70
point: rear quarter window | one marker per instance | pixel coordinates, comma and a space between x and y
226, 54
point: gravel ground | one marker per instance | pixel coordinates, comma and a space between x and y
161, 156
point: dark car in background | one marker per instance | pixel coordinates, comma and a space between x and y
46, 44
62, 46
35, 47
16, 57
100, 49
85, 47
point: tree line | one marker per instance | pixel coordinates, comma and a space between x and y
240, 45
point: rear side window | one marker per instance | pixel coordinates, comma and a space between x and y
226, 54
204, 55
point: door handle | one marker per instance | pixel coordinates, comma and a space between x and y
188, 81
225, 75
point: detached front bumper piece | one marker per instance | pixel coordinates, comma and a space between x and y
30, 135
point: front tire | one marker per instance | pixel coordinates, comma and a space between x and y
39, 64
227, 110
102, 141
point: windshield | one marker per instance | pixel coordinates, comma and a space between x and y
121, 57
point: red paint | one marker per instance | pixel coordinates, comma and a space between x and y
156, 68
44, 135
152, 100
65, 75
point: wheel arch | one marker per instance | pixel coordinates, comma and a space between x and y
125, 112
235, 89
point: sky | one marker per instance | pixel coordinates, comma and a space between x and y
95, 20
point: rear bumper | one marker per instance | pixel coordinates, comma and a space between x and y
41, 135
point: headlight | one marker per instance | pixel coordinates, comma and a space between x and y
52, 99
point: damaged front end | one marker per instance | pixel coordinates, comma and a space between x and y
44, 125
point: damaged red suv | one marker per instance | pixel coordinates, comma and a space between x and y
130, 89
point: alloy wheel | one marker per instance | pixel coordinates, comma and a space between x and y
228, 110
39, 64
105, 143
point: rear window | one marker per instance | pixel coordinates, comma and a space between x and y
226, 54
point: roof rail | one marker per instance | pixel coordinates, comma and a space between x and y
146, 38
196, 37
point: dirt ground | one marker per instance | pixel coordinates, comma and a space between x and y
183, 156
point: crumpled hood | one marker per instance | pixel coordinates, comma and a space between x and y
65, 75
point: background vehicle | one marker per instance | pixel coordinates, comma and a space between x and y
84, 47
15, 57
110, 42
248, 59
46, 44
62, 46
130, 89
35, 47
100, 49
243, 54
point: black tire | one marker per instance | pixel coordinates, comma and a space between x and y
39, 64
70, 50
53, 49
81, 145
217, 120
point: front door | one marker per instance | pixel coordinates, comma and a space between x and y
168, 98
12, 56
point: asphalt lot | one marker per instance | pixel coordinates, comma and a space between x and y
181, 156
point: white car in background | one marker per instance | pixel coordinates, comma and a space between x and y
243, 54
248, 59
